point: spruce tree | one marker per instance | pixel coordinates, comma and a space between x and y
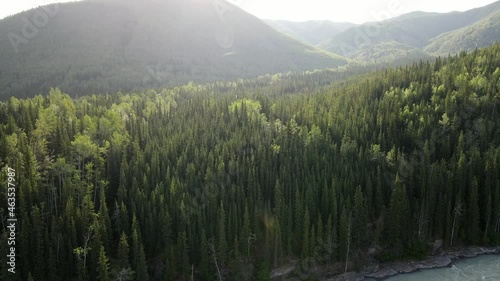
399, 216
222, 241
123, 252
473, 214
103, 269
306, 243
360, 218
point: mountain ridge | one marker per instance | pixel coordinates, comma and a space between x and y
105, 46
415, 29
313, 32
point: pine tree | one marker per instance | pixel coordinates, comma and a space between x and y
312, 246
245, 232
222, 245
105, 221
399, 210
278, 247
103, 268
138, 255
359, 229
299, 222
319, 233
182, 252
142, 267
52, 266
124, 219
473, 214
306, 242
236, 245
329, 246
278, 199
122, 190
204, 258
344, 238
123, 252
39, 244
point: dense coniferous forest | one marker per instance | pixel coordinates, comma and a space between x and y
105, 46
231, 180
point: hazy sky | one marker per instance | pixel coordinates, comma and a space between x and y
357, 11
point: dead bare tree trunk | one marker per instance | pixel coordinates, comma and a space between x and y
497, 224
421, 221
348, 243
214, 256
457, 211
85, 249
487, 227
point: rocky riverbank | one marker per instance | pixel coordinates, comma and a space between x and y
444, 259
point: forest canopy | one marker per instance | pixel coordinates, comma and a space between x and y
236, 178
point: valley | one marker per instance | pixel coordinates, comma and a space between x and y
191, 140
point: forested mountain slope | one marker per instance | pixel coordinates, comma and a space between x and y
236, 178
483, 33
99, 46
434, 33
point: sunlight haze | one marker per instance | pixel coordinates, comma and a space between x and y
356, 11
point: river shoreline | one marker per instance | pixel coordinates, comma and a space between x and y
444, 259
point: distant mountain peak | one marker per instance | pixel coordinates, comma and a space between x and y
110, 45
312, 32
418, 31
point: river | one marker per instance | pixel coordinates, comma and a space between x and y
485, 267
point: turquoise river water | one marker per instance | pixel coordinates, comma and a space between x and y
486, 267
